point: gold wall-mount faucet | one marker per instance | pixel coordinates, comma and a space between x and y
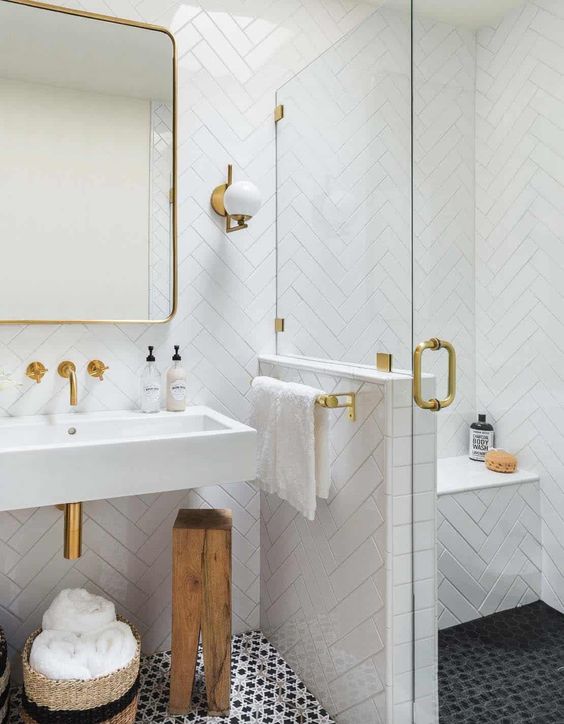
67, 369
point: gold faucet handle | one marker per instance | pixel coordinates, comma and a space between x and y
36, 371
96, 368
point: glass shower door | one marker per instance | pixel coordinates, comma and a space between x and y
444, 343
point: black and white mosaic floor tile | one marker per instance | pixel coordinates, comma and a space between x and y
264, 690
507, 668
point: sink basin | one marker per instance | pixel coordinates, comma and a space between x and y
50, 459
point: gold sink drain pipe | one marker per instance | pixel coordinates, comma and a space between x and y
73, 530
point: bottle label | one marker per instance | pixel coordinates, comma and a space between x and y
178, 390
152, 392
480, 442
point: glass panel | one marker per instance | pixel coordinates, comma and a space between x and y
343, 178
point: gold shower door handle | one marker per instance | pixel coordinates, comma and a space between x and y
435, 345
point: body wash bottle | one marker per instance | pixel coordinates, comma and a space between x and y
151, 385
481, 439
176, 384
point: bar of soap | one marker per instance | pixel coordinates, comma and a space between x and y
500, 461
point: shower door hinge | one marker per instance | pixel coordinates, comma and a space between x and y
171, 196
278, 113
279, 324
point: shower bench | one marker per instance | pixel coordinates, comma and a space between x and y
488, 540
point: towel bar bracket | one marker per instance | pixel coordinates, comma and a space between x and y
332, 402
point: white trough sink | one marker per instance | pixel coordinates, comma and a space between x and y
51, 459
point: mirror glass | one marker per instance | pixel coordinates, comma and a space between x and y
87, 175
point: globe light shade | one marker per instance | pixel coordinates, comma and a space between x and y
242, 199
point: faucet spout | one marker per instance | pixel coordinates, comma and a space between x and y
67, 370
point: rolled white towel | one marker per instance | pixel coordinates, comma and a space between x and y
59, 655
65, 655
78, 611
110, 649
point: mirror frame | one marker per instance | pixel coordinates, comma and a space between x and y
174, 189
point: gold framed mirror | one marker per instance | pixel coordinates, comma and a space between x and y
88, 188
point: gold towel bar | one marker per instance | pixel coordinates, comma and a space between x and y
332, 401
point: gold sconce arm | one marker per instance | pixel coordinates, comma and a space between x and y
36, 371
96, 368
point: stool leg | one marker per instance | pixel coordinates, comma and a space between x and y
187, 554
216, 620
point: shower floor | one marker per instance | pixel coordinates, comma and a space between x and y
505, 668
264, 690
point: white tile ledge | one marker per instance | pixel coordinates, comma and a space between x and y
460, 475
355, 372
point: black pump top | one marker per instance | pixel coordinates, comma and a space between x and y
176, 357
151, 357
481, 418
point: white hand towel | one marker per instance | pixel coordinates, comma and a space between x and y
79, 611
292, 442
65, 655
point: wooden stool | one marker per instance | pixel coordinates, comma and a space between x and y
201, 601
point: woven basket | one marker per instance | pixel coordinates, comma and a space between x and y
4, 680
111, 698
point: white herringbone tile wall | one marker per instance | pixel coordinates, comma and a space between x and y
337, 593
323, 583
344, 241
489, 551
233, 54
520, 254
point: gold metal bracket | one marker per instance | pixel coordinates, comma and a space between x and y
278, 113
36, 371
279, 324
96, 368
383, 362
435, 345
332, 402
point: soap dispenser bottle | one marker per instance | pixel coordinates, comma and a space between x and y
481, 438
176, 384
151, 385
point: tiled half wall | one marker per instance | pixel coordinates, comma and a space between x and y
336, 593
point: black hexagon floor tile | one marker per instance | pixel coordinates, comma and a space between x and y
507, 668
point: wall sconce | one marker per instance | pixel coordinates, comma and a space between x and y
237, 202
